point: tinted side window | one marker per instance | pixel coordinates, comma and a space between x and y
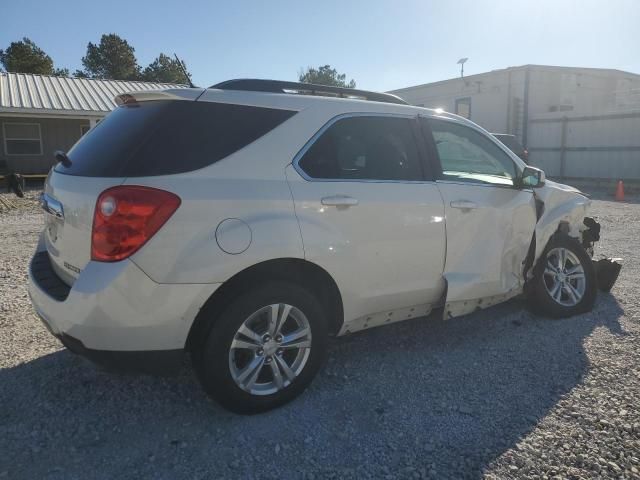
365, 148
466, 154
167, 137
511, 143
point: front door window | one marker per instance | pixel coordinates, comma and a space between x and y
467, 155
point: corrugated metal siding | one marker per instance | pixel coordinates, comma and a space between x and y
22, 91
598, 146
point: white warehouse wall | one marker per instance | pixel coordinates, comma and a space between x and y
489, 93
603, 147
580, 90
594, 146
495, 95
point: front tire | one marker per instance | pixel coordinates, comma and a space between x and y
264, 349
564, 282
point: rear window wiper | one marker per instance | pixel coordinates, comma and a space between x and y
62, 158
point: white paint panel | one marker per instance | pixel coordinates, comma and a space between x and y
384, 253
116, 306
487, 242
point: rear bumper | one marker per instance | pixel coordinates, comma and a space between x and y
153, 362
115, 310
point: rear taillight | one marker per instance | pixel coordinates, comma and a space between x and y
126, 217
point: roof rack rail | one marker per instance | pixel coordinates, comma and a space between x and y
277, 86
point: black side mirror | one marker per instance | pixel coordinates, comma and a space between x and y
532, 177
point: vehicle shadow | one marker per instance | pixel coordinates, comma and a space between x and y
423, 398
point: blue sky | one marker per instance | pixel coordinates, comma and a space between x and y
381, 44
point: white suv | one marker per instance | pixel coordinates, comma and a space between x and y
247, 222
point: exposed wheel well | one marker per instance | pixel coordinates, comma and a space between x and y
300, 272
563, 227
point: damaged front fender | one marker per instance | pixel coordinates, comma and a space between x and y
556, 208
564, 209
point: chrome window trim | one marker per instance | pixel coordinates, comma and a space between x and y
482, 184
325, 127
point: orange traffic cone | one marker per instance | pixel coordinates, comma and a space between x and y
620, 191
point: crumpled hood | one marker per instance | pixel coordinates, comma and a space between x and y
555, 195
562, 187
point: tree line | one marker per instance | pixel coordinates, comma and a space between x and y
113, 58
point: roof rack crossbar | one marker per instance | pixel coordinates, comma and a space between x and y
277, 86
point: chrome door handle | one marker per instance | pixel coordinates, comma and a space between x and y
464, 204
339, 201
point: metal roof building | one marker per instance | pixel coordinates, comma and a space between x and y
44, 94
40, 114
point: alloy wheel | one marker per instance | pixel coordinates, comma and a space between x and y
270, 349
564, 277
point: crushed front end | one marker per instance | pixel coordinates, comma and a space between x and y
607, 269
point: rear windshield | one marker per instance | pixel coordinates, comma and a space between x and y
168, 136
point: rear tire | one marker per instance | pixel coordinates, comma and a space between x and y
564, 282
264, 349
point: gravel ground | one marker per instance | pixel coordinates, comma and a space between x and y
499, 393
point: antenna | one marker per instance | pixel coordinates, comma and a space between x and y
461, 62
184, 71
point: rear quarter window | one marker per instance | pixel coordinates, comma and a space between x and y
168, 137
